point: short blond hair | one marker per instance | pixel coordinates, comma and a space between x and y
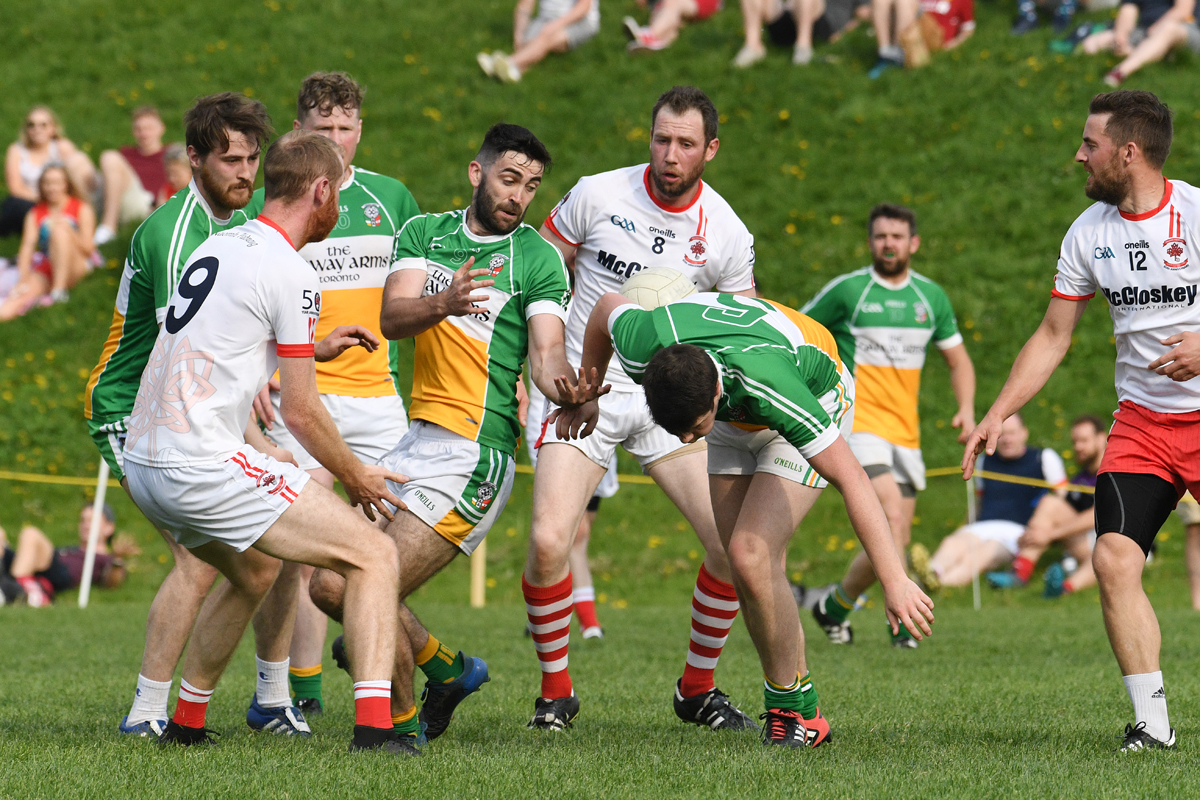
298, 158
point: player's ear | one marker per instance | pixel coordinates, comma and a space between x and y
475, 173
295, 124
710, 150
915, 243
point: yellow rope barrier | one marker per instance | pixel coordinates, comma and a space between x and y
64, 480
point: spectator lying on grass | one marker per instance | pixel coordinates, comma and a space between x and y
134, 177
560, 25
1144, 32
667, 18
55, 245
796, 24
35, 571
40, 144
943, 25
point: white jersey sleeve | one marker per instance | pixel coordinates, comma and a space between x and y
738, 274
1053, 469
292, 307
1075, 279
570, 218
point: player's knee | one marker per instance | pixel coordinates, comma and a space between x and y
748, 556
377, 553
258, 579
1116, 558
326, 589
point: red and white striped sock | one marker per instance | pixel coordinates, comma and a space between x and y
373, 704
585, 606
714, 607
549, 609
192, 705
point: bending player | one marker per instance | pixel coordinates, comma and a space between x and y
608, 228
474, 328
883, 318
225, 134
356, 389
246, 302
1132, 246
765, 385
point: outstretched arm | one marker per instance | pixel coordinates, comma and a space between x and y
1036, 362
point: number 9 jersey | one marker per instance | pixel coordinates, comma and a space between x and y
245, 297
620, 228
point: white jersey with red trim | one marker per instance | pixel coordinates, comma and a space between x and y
620, 229
245, 297
1144, 267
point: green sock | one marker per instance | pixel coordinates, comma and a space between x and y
837, 605
800, 696
306, 683
407, 724
902, 635
438, 663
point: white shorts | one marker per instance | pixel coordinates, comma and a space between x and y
1003, 531
232, 501
906, 463
456, 486
735, 451
624, 420
1188, 511
371, 426
577, 32
535, 423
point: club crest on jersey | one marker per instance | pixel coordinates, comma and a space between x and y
697, 251
1176, 251
373, 214
484, 495
922, 314
496, 264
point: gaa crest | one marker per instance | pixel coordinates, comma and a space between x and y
696, 253
372, 213
1175, 250
496, 264
484, 495
922, 314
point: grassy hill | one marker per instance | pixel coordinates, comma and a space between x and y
980, 144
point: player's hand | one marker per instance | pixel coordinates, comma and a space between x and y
906, 604
280, 454
1182, 362
457, 300
982, 439
576, 422
522, 403
262, 403
964, 420
572, 394
342, 338
367, 487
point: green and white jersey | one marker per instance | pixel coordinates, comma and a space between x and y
775, 364
160, 248
882, 331
465, 369
352, 265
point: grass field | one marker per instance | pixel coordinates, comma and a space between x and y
1023, 698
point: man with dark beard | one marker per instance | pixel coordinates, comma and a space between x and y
883, 318
1133, 247
608, 228
225, 134
480, 291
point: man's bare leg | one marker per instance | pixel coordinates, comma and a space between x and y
118, 177
1079, 547
540, 46
668, 17
963, 555
583, 590
34, 552
1193, 563
1051, 516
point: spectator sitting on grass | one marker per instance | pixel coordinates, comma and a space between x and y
891, 17
667, 18
796, 24
179, 171
55, 245
40, 144
1027, 15
1070, 519
943, 25
560, 25
1144, 32
41, 570
133, 176
1004, 511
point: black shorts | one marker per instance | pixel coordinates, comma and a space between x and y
783, 30
58, 574
1133, 504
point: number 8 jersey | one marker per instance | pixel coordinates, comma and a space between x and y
1147, 269
245, 297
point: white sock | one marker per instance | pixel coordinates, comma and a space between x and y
1149, 703
150, 700
584, 593
272, 686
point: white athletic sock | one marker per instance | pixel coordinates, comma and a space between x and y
1149, 703
150, 700
272, 686
584, 593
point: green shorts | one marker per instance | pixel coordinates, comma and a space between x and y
110, 441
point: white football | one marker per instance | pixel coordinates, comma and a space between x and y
657, 286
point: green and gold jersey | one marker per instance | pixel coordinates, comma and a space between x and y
352, 265
775, 364
466, 369
160, 247
882, 331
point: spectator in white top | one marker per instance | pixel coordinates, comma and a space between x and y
40, 144
560, 25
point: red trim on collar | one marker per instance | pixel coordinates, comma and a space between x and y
1140, 217
270, 223
664, 207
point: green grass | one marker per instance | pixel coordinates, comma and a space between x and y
1022, 698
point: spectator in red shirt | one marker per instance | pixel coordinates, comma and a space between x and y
943, 25
35, 571
667, 18
134, 175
